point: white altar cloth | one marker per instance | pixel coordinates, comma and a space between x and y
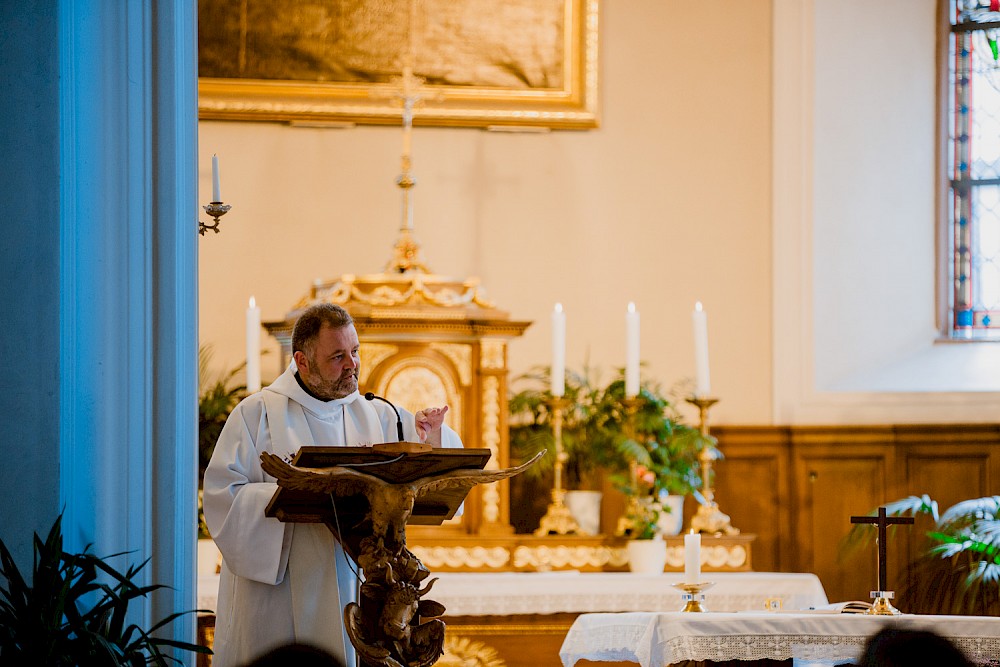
660, 639
510, 593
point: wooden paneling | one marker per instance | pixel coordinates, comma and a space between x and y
750, 490
832, 484
529, 640
797, 487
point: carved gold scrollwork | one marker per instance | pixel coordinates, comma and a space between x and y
733, 556
396, 291
461, 356
466, 652
372, 355
559, 557
479, 558
415, 383
491, 439
492, 355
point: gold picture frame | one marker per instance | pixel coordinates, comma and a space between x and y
495, 77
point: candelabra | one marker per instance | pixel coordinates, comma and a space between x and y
632, 503
558, 520
216, 209
693, 595
709, 518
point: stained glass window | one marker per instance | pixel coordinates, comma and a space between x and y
974, 168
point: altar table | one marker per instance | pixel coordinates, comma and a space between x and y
665, 638
521, 619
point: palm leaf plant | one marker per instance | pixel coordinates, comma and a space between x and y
531, 425
958, 569
74, 610
217, 396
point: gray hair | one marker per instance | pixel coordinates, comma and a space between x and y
312, 319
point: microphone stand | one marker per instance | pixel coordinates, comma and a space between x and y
399, 420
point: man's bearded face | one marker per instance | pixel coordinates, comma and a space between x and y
332, 364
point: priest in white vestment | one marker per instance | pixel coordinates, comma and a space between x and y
285, 582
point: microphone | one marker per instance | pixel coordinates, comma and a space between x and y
399, 420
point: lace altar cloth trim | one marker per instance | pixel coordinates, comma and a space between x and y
510, 593
656, 639
825, 649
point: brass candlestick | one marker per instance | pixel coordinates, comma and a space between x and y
881, 605
632, 503
216, 209
694, 595
557, 519
709, 518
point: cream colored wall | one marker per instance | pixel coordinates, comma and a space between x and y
857, 336
666, 204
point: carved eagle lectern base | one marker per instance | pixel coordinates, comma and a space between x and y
368, 512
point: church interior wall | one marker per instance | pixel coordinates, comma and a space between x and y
665, 205
858, 305
748, 172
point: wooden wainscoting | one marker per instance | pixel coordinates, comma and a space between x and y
797, 487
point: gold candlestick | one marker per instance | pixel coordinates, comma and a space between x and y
558, 520
709, 518
693, 595
216, 209
632, 404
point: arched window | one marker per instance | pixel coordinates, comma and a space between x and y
973, 164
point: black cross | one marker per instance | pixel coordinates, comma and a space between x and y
882, 521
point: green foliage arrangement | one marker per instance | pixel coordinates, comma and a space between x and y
599, 433
217, 396
73, 612
958, 571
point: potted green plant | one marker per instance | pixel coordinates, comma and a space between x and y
603, 432
72, 611
958, 569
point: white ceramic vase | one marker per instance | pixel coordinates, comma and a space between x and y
672, 522
585, 506
647, 556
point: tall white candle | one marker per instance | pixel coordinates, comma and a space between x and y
699, 318
631, 351
253, 347
216, 183
558, 351
692, 558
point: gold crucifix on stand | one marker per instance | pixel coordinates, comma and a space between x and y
882, 606
407, 89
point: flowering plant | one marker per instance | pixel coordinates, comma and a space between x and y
643, 512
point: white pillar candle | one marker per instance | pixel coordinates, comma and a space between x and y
253, 347
216, 183
699, 319
692, 558
631, 351
558, 351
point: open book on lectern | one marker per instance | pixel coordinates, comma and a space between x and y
396, 463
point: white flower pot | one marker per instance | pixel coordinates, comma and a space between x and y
647, 556
672, 522
585, 506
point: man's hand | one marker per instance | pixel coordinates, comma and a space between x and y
429, 421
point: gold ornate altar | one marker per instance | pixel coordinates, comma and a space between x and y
430, 340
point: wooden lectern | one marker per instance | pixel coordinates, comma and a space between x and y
366, 496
